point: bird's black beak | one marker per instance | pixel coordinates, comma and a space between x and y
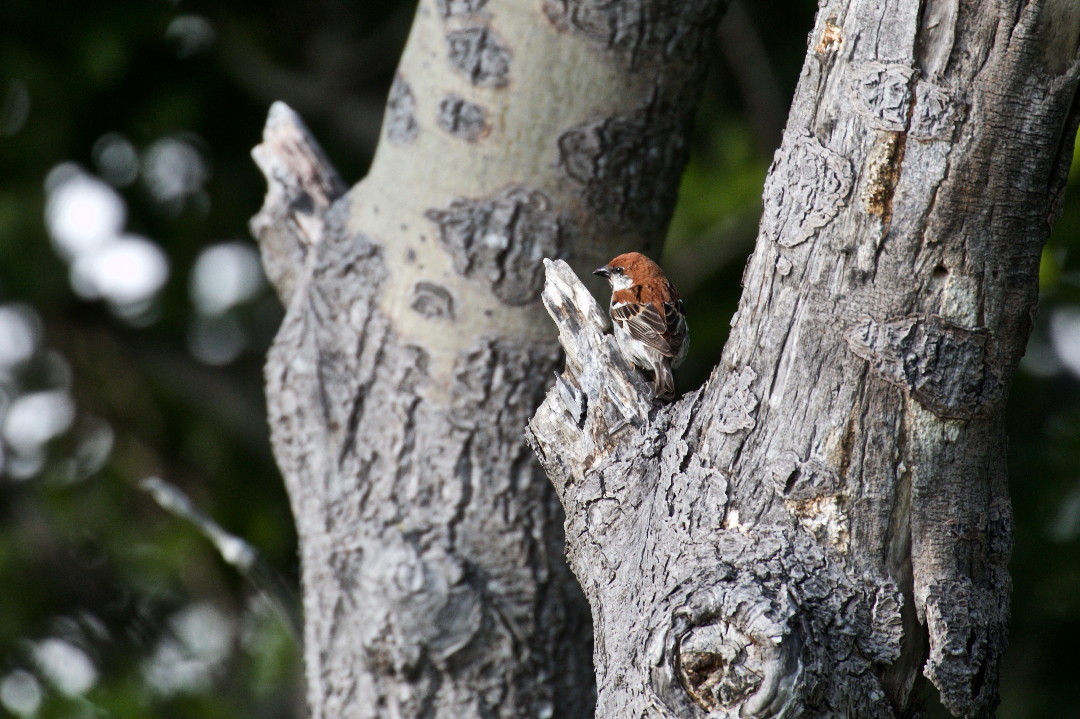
602, 271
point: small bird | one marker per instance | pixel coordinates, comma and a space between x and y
649, 320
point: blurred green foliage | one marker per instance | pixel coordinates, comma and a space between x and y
88, 558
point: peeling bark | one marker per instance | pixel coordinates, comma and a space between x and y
414, 350
825, 522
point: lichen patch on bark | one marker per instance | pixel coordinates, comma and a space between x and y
737, 402
882, 93
947, 368
500, 241
401, 125
462, 118
432, 301
479, 54
640, 31
807, 185
935, 113
627, 166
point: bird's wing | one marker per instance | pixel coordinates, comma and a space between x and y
676, 325
645, 324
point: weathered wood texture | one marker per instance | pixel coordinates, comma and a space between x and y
827, 517
415, 347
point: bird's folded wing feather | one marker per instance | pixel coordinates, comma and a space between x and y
644, 323
676, 323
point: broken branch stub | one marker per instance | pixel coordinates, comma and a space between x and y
598, 391
301, 186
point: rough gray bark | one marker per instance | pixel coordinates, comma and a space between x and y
827, 516
415, 347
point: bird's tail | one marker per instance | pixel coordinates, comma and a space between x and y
663, 382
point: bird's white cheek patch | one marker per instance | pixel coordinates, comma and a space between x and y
620, 282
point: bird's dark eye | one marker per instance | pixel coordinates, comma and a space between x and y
617, 270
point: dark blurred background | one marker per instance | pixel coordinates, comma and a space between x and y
134, 320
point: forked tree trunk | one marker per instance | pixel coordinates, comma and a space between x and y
827, 517
415, 347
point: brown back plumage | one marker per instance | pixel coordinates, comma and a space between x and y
650, 314
660, 322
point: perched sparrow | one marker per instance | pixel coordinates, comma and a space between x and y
650, 324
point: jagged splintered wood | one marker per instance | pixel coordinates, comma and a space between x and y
825, 523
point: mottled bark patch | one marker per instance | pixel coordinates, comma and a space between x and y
882, 93
945, 367
800, 480
477, 53
639, 31
628, 166
737, 402
461, 118
882, 172
795, 211
432, 301
459, 8
935, 113
499, 241
497, 375
885, 642
401, 126
963, 621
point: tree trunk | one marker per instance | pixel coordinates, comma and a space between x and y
415, 348
828, 515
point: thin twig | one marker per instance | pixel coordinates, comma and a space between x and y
233, 550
